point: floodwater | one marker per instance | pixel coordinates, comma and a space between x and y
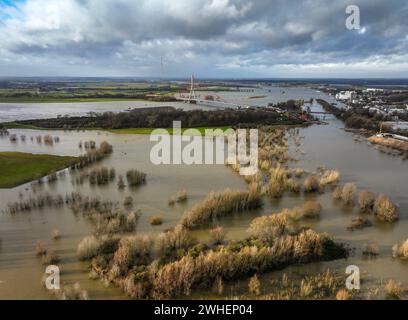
328, 145
25, 111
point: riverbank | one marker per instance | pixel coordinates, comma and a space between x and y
390, 142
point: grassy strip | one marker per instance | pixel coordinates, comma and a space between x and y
15, 125
170, 130
18, 168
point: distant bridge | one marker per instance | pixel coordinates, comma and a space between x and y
211, 103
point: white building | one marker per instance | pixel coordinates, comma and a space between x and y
346, 95
373, 90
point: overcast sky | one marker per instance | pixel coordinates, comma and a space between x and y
211, 38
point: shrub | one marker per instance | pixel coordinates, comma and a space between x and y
135, 178
254, 286
48, 140
330, 177
128, 202
293, 186
268, 228
106, 148
343, 294
359, 223
88, 248
371, 249
56, 234
298, 172
311, 209
393, 290
219, 286
101, 176
121, 183
174, 239
278, 181
337, 193
276, 189
400, 250
385, 210
348, 193
179, 197
217, 235
73, 292
132, 251
366, 201
306, 288
156, 220
311, 184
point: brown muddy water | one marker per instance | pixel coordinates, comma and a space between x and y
328, 145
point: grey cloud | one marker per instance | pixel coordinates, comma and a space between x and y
205, 35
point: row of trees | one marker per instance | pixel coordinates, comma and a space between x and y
163, 117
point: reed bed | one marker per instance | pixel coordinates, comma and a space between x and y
219, 204
35, 203
269, 228
180, 277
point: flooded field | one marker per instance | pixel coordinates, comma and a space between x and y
325, 145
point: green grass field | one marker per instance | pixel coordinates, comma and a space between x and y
14, 125
18, 168
170, 130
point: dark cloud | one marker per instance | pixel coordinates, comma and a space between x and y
211, 37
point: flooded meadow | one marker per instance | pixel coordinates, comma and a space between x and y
310, 148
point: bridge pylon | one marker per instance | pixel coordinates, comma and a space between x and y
192, 97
